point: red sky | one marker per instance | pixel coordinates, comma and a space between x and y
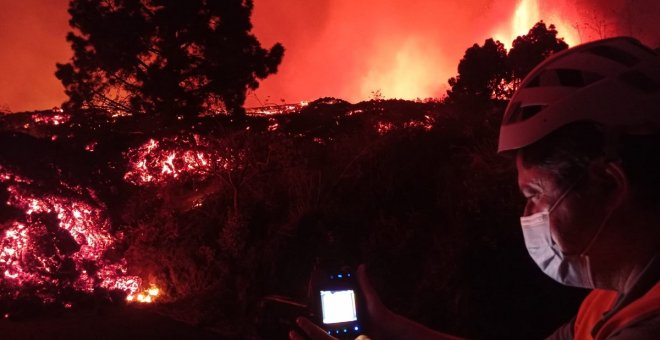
340, 48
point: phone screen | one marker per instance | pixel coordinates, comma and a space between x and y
338, 306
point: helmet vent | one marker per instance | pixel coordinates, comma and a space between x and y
570, 78
536, 82
639, 81
563, 78
522, 113
614, 54
528, 112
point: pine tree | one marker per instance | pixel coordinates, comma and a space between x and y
166, 57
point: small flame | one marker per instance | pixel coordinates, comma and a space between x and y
148, 295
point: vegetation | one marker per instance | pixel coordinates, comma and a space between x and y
489, 72
175, 58
415, 190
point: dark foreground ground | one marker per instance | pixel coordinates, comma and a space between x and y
115, 323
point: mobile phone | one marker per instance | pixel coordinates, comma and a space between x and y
338, 302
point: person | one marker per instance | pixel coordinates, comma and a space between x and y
584, 126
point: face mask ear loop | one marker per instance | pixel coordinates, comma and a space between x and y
566, 192
598, 232
600, 229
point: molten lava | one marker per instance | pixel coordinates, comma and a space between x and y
57, 242
157, 162
174, 158
52, 119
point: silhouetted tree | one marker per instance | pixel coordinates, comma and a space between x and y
488, 72
529, 50
480, 72
176, 58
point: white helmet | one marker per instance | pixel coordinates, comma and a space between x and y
614, 82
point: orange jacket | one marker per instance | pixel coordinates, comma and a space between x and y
600, 301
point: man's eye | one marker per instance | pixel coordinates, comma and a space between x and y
532, 197
528, 193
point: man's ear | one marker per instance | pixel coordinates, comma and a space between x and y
619, 176
612, 176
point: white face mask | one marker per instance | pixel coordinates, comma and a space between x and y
570, 270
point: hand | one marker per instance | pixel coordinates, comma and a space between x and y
312, 331
377, 312
382, 322
385, 324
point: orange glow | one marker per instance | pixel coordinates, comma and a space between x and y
340, 48
402, 49
34, 32
401, 72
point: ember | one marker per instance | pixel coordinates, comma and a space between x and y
55, 119
91, 146
427, 124
384, 127
274, 125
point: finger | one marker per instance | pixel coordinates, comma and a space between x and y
295, 336
314, 331
367, 289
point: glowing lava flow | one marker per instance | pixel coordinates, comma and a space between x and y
157, 162
58, 243
58, 117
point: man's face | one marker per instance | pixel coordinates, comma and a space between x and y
574, 219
